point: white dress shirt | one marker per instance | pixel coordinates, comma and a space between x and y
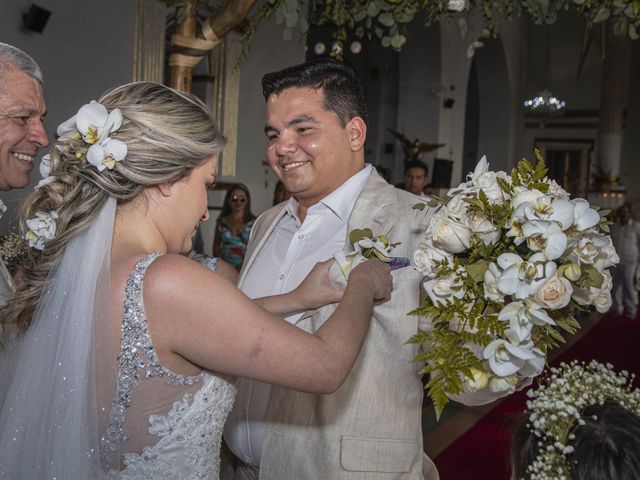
288, 255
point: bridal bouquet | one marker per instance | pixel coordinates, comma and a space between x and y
506, 260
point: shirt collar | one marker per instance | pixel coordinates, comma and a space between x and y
341, 201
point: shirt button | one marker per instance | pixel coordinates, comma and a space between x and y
301, 236
281, 276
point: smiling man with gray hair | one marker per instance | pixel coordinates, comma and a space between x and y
22, 134
22, 109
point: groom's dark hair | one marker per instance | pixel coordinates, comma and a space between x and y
342, 90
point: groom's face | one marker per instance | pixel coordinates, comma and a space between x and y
308, 148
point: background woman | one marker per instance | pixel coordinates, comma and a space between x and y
233, 226
121, 334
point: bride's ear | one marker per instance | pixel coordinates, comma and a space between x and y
166, 189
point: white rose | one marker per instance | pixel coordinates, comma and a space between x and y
556, 190
483, 227
489, 185
442, 290
427, 256
600, 298
478, 381
503, 384
555, 293
586, 248
607, 256
450, 234
524, 195
457, 207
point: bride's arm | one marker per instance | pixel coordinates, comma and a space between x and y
314, 292
196, 315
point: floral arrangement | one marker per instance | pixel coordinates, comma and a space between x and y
558, 404
506, 261
363, 246
93, 126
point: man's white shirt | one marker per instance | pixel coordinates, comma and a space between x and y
288, 255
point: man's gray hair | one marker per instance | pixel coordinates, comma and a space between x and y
12, 57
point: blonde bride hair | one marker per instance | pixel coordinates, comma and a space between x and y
168, 133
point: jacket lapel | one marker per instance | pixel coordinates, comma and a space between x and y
371, 208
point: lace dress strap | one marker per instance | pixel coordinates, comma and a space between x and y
137, 358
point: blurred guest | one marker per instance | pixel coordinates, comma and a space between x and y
280, 193
416, 178
626, 240
234, 226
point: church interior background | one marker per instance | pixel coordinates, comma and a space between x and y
429, 90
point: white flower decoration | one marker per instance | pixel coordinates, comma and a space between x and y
427, 256
509, 357
95, 125
546, 237
42, 228
522, 316
523, 278
45, 171
585, 216
106, 153
442, 290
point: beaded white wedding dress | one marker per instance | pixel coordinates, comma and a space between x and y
160, 425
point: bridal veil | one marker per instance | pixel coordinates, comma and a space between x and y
49, 419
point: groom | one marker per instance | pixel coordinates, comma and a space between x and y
370, 428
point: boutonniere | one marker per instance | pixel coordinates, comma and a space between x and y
363, 245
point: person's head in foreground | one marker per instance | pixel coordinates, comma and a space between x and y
22, 109
583, 424
316, 127
143, 145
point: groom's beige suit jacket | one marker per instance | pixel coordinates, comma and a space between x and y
371, 427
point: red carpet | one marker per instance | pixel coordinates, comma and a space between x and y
483, 451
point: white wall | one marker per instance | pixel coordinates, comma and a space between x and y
84, 49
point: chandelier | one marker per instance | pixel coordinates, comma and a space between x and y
544, 104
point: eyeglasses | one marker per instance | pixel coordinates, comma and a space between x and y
236, 198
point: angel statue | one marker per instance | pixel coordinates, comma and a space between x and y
413, 150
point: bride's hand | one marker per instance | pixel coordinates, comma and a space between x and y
375, 275
316, 289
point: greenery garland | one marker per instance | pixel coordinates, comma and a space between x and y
387, 20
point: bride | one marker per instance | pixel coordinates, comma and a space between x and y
125, 362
